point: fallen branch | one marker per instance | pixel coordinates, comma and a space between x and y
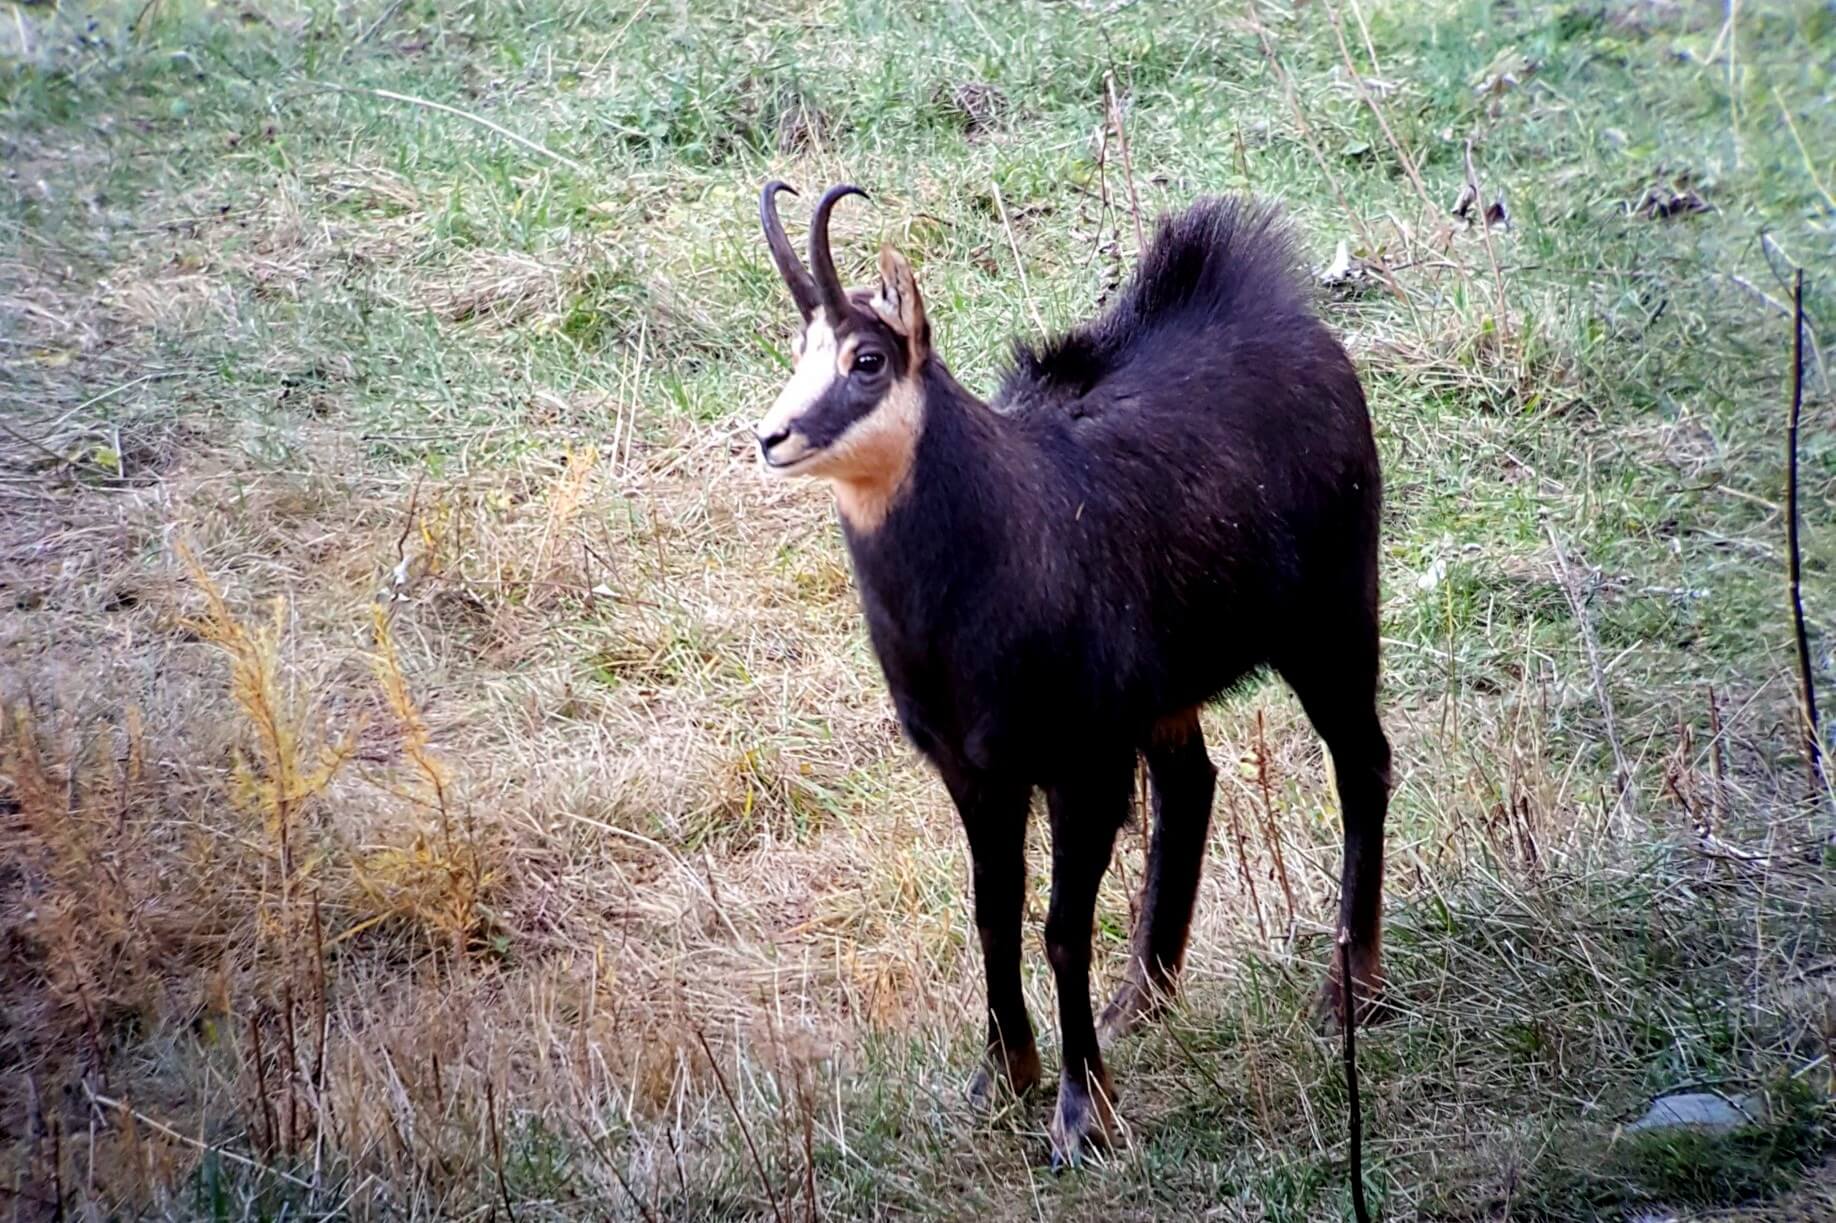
1810, 333
480, 120
235, 1158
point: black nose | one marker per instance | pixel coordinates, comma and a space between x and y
766, 444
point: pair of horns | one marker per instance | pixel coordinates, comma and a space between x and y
823, 290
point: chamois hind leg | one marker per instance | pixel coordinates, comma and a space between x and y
1337, 686
1183, 782
994, 815
1086, 811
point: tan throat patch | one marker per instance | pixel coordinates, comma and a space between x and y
870, 464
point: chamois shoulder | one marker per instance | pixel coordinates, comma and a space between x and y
1223, 260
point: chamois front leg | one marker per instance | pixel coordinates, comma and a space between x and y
1085, 816
994, 817
1183, 781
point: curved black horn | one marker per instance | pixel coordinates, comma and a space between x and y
802, 288
828, 284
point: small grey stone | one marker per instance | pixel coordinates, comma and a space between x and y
1701, 1110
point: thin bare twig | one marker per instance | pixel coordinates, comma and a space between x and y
387, 16
1807, 689
1354, 1136
113, 391
147, 10
1370, 101
1810, 333
1370, 48
745, 1130
233, 1156
33, 442
1269, 828
1102, 160
1485, 232
270, 1139
1026, 289
1810, 167
1128, 161
1319, 158
618, 38
809, 1145
1243, 866
414, 498
497, 1149
1715, 767
1571, 587
650, 1216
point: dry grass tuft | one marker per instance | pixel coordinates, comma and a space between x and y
500, 291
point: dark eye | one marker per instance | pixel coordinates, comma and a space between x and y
869, 362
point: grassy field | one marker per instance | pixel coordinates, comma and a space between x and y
442, 776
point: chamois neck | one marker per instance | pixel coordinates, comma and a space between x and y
880, 473
955, 499
933, 433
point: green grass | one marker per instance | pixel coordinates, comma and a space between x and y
253, 303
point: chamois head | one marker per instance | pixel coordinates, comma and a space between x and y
852, 410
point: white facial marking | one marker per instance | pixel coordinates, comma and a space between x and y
868, 463
810, 380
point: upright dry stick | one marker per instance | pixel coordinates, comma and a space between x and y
1622, 780
745, 1130
1243, 866
1354, 1137
269, 1138
1485, 233
1026, 290
1269, 829
1379, 266
1810, 167
497, 1147
1102, 160
1807, 691
322, 1026
1370, 101
1128, 162
1714, 807
289, 1105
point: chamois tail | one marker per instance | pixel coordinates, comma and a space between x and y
1220, 260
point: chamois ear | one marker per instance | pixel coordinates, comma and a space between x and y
899, 305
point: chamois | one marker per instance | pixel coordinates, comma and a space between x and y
1154, 506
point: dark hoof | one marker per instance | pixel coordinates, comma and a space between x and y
1135, 1002
1373, 1006
1084, 1121
1017, 1072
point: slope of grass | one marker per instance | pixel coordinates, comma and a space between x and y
501, 808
